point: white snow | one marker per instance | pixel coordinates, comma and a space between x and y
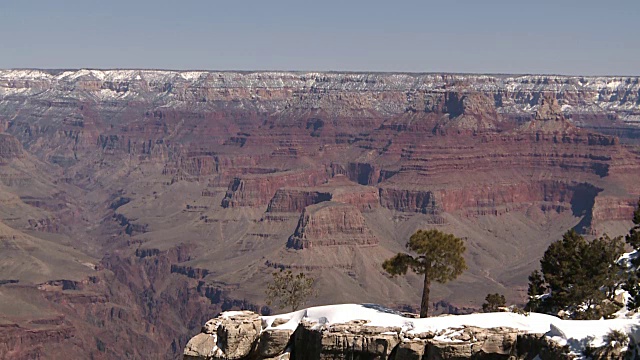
575, 333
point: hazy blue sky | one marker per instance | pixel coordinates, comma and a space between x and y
487, 36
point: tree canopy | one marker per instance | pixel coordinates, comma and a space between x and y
577, 275
439, 259
287, 290
493, 302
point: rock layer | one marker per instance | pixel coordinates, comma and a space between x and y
357, 340
114, 170
331, 224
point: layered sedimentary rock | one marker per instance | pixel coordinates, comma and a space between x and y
331, 224
613, 208
257, 190
135, 163
312, 340
338, 189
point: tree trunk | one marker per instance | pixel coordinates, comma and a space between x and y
424, 305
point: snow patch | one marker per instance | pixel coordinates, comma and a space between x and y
575, 333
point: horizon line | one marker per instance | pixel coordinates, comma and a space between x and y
498, 74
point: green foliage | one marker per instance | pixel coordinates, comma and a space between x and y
398, 265
605, 309
439, 259
633, 239
440, 255
600, 259
579, 275
536, 289
632, 286
493, 302
287, 290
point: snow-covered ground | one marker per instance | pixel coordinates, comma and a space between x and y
575, 333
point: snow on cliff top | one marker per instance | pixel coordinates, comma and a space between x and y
575, 333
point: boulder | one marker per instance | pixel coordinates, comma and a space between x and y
475, 343
230, 336
201, 346
345, 341
531, 346
413, 349
273, 342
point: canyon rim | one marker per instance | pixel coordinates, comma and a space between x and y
137, 204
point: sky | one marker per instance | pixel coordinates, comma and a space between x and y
464, 36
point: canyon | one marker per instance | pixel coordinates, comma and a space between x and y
138, 204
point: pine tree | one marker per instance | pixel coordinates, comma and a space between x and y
537, 288
600, 261
562, 269
633, 288
576, 272
439, 259
287, 290
493, 302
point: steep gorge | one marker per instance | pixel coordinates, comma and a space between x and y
167, 196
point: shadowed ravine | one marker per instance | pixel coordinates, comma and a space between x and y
136, 204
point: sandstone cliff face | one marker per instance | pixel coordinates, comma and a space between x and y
331, 224
122, 166
286, 199
257, 190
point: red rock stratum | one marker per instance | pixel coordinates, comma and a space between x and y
137, 204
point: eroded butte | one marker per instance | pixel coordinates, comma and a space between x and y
138, 204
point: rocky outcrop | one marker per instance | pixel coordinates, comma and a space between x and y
344, 341
296, 199
176, 145
489, 197
364, 198
475, 343
274, 342
331, 224
613, 208
357, 339
496, 198
130, 226
10, 148
258, 190
410, 200
287, 199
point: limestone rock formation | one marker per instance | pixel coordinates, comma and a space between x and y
274, 342
201, 346
230, 337
549, 110
321, 340
151, 187
344, 341
476, 343
331, 224
257, 190
337, 189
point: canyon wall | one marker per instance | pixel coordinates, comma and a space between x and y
160, 188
